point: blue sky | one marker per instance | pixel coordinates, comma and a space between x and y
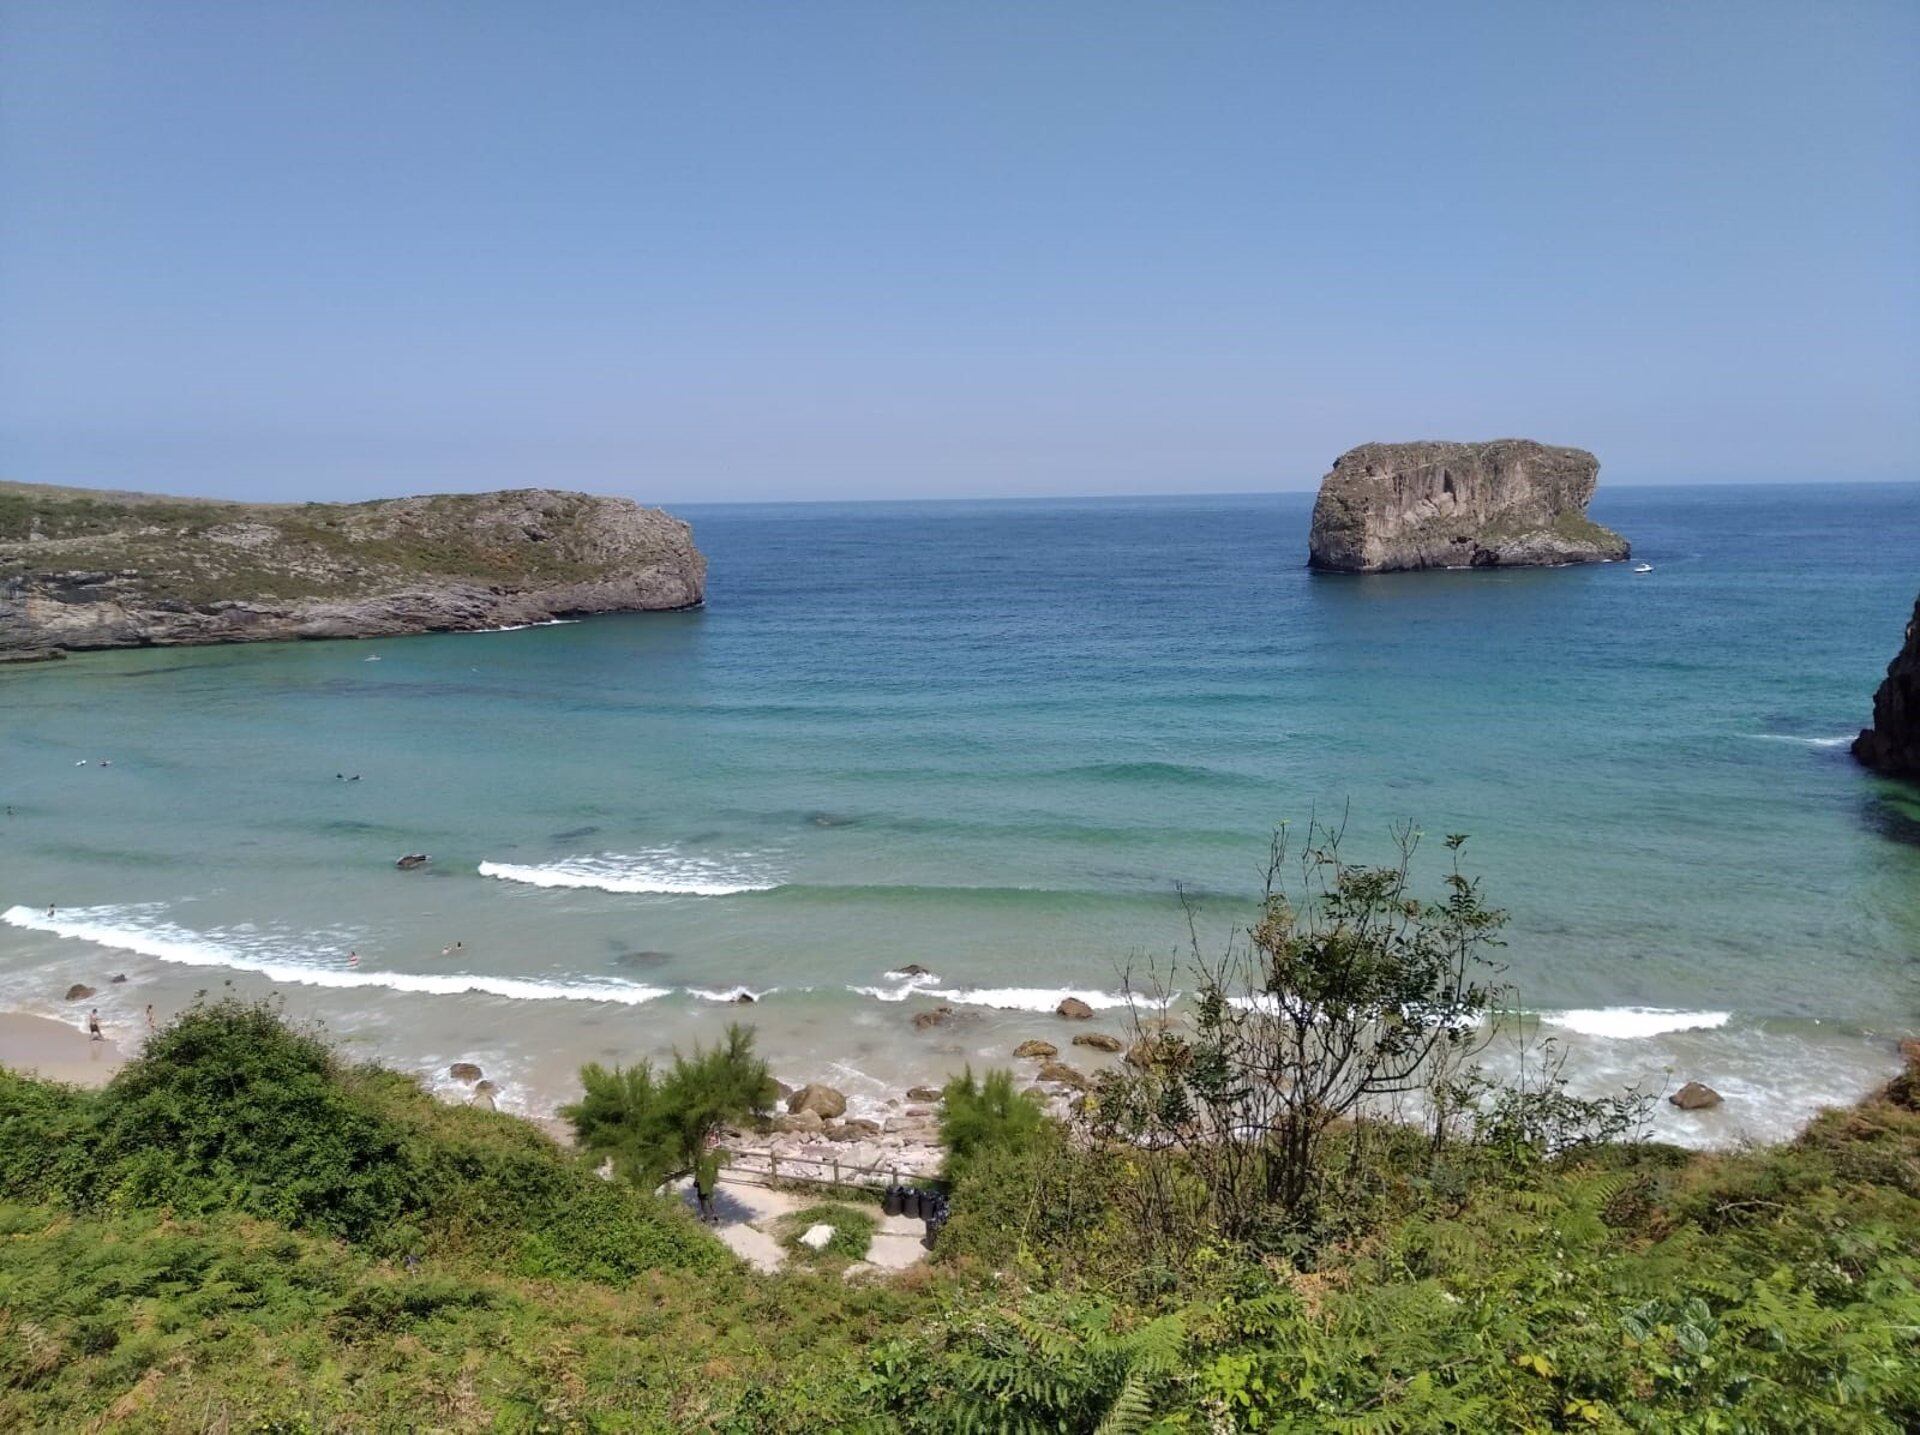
738, 251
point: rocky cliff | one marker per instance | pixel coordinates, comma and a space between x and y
1892, 744
81, 568
1508, 503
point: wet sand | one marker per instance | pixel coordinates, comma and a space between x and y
57, 1050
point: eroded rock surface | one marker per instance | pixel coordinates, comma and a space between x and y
1507, 503
1892, 744
81, 568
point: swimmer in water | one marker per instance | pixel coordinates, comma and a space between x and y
353, 959
450, 951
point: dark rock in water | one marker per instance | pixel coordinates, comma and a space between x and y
939, 1016
1695, 1096
116, 979
1036, 1048
484, 1088
413, 860
743, 999
573, 832
1892, 744
643, 959
464, 1071
1059, 1072
911, 969
1073, 1009
78, 993
1506, 503
1100, 1041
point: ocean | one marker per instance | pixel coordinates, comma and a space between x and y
999, 740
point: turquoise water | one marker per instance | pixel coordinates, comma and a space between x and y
991, 738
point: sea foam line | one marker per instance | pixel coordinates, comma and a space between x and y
165, 942
1632, 1023
1841, 741
1043, 999
660, 872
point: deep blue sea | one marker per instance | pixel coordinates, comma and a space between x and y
995, 739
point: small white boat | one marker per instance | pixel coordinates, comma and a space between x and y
1643, 568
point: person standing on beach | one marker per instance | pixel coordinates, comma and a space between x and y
151, 1028
93, 1026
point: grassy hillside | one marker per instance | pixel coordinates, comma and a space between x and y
199, 551
240, 1232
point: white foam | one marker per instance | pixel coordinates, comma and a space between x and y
1631, 1023
729, 994
1005, 998
126, 929
522, 627
1843, 740
659, 871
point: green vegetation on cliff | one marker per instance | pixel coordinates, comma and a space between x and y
242, 1232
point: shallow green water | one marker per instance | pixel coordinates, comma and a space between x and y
991, 739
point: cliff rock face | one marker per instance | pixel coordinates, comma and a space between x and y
90, 569
1508, 503
1892, 744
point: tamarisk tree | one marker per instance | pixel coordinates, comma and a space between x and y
1347, 993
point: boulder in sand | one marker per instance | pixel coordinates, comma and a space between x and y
464, 1071
1099, 1041
823, 1101
78, 993
1036, 1049
1695, 1096
800, 1123
1073, 1009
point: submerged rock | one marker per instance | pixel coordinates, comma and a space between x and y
1506, 503
1892, 744
1059, 1071
1073, 1009
923, 1093
1036, 1048
939, 1016
464, 1071
1099, 1041
78, 993
1695, 1096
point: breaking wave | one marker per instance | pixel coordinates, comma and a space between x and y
659, 871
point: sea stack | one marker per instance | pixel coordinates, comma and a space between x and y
1508, 503
1892, 744
82, 568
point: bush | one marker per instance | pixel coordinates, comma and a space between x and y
231, 1109
983, 1116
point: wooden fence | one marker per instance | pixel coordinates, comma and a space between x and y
764, 1168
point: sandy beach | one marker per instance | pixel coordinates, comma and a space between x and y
56, 1050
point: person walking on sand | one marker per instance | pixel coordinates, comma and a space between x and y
93, 1026
151, 1028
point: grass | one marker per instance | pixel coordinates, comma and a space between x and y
243, 1232
853, 1230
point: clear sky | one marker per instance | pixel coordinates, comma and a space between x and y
708, 251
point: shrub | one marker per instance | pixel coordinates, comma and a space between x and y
983, 1116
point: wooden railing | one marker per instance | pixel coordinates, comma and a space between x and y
764, 1168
